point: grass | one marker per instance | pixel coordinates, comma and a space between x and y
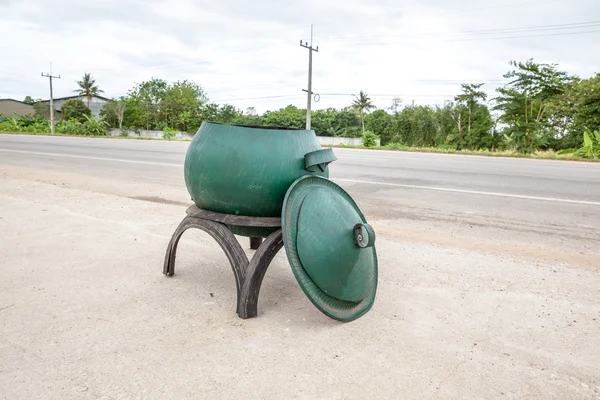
540, 154
85, 136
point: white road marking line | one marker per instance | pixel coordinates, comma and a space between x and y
440, 189
91, 158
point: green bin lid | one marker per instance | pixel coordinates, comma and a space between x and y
330, 247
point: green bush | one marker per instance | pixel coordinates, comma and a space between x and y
28, 124
25, 124
41, 109
70, 127
75, 109
169, 133
591, 145
369, 138
9, 125
37, 127
93, 127
590, 148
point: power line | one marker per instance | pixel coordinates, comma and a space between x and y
446, 37
471, 32
412, 36
391, 95
435, 82
337, 91
574, 25
335, 94
345, 92
511, 5
260, 97
523, 36
476, 39
239, 88
502, 32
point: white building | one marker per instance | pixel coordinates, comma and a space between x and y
96, 103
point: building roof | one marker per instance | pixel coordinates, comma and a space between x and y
17, 101
77, 97
28, 104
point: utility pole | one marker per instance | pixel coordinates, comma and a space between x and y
309, 91
50, 77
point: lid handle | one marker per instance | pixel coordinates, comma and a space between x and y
364, 235
316, 161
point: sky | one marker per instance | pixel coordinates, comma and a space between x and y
247, 53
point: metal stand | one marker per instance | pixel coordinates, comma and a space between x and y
248, 273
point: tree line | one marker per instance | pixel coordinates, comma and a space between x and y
540, 108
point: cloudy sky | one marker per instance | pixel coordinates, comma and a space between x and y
247, 53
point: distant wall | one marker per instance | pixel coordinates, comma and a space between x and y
324, 140
336, 141
149, 134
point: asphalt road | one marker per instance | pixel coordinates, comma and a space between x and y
488, 282
555, 202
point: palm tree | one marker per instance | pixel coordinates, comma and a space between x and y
363, 104
88, 88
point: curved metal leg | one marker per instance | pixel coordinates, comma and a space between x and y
248, 299
223, 236
248, 274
